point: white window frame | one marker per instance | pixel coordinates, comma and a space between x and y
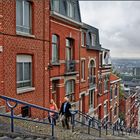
83, 39
93, 39
116, 109
105, 109
111, 93
91, 98
116, 88
55, 55
23, 27
70, 94
106, 82
56, 5
24, 59
82, 70
70, 9
69, 49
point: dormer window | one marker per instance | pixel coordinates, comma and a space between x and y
93, 39
55, 5
70, 9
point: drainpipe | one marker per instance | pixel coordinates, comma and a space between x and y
79, 67
44, 55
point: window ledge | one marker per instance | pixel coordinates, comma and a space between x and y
83, 80
105, 91
91, 110
83, 46
24, 90
25, 34
115, 96
55, 64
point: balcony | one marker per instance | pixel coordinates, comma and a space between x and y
92, 80
70, 67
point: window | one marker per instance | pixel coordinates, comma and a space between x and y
105, 109
92, 72
93, 39
70, 90
70, 9
83, 39
116, 90
54, 86
69, 46
100, 87
55, 45
56, 5
83, 69
111, 93
100, 59
24, 71
91, 98
106, 80
23, 16
115, 110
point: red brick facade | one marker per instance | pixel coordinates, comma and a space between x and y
50, 80
36, 45
58, 72
129, 110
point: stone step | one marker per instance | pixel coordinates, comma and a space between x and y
2, 109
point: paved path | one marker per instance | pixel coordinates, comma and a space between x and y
29, 130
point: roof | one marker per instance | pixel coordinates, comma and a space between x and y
114, 78
63, 4
89, 31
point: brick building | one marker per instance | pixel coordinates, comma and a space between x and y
114, 99
89, 64
50, 53
24, 43
129, 108
65, 35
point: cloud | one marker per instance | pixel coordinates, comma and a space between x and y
118, 23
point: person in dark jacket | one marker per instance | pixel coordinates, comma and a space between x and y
64, 110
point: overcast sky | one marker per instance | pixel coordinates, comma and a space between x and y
118, 23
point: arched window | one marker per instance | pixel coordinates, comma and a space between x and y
115, 110
116, 90
70, 89
106, 83
92, 72
111, 93
55, 45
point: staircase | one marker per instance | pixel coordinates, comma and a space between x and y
82, 126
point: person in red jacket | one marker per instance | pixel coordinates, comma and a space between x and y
53, 116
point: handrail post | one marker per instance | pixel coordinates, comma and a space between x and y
99, 130
113, 129
122, 130
52, 125
93, 122
89, 126
12, 120
106, 128
73, 122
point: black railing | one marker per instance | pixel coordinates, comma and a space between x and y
79, 117
70, 66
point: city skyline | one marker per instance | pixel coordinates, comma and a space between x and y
119, 29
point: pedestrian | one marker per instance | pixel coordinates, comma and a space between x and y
65, 113
53, 116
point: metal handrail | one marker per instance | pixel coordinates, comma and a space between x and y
89, 122
12, 116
